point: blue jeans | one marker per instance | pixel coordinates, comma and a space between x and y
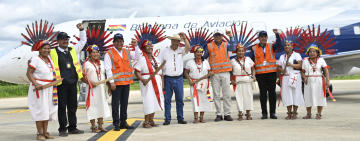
176, 85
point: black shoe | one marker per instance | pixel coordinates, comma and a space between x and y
265, 116
273, 116
218, 118
228, 118
166, 122
116, 128
126, 126
63, 134
77, 131
182, 122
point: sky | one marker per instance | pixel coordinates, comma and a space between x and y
15, 14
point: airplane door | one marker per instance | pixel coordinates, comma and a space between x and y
258, 26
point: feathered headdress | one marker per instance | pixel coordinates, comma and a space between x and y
290, 36
39, 34
308, 40
198, 39
149, 33
242, 39
93, 39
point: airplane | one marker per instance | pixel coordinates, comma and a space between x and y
344, 24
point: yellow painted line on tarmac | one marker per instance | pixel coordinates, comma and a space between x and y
114, 135
17, 111
188, 98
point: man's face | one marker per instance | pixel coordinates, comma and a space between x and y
175, 42
218, 37
63, 42
263, 39
118, 43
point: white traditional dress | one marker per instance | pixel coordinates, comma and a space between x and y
42, 107
313, 91
291, 96
202, 102
151, 103
99, 107
243, 91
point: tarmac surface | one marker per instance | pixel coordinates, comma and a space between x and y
340, 122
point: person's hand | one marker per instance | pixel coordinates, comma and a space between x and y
39, 87
289, 64
112, 86
80, 26
144, 81
233, 82
283, 71
182, 35
191, 82
306, 80
29, 61
327, 84
228, 33
254, 78
211, 73
93, 84
276, 31
134, 42
110, 92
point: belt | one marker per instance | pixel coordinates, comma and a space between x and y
314, 76
174, 76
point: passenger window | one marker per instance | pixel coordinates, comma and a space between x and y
357, 30
336, 31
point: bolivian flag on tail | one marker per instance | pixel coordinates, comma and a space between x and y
119, 27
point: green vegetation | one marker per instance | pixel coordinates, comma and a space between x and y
13, 90
346, 77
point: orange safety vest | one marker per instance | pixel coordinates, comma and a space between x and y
270, 64
122, 66
219, 58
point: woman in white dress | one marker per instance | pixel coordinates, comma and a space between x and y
290, 79
42, 103
97, 106
242, 68
151, 91
315, 84
199, 92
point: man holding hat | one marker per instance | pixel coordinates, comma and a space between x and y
263, 54
118, 60
67, 66
173, 76
218, 57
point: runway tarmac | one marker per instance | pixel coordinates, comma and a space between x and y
340, 122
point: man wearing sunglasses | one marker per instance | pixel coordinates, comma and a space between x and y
67, 66
218, 57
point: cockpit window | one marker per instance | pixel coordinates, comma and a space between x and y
336, 31
357, 30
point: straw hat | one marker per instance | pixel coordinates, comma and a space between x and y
175, 37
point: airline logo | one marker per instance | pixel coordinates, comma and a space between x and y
120, 27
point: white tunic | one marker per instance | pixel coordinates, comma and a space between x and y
99, 107
42, 108
313, 91
204, 103
243, 92
291, 96
150, 102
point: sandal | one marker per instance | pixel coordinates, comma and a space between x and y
318, 116
196, 120
95, 129
289, 115
152, 123
146, 124
40, 137
102, 129
240, 117
48, 136
294, 116
248, 117
202, 120
308, 116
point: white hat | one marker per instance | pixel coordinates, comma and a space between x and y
218, 31
175, 37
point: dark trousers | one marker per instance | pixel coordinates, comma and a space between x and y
67, 96
266, 84
121, 94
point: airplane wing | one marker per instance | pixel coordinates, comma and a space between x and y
343, 62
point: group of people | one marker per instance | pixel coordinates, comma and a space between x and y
211, 60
